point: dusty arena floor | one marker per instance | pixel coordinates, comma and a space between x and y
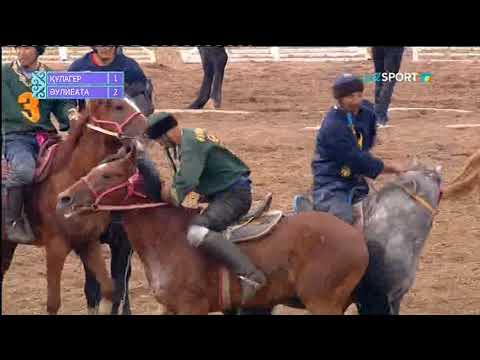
284, 98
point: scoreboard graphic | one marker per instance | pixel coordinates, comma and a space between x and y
78, 85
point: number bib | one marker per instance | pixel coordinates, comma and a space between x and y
30, 106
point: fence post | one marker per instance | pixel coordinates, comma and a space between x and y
414, 54
275, 51
63, 53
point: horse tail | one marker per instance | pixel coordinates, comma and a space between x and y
463, 187
466, 181
473, 163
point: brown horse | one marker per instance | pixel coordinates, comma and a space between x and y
313, 257
95, 135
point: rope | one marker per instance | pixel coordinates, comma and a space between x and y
128, 207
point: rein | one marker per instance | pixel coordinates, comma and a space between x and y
419, 200
119, 127
131, 192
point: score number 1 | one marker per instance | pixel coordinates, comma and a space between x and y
116, 77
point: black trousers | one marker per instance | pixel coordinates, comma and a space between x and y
386, 60
225, 208
214, 60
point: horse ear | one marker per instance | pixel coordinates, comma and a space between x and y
410, 185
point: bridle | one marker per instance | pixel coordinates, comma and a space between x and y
421, 201
131, 192
119, 127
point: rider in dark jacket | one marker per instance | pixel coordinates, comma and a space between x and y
342, 157
111, 58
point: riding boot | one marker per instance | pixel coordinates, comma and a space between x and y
18, 227
252, 279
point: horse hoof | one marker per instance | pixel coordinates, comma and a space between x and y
92, 311
161, 310
105, 307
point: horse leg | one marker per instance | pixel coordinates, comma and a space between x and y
324, 307
252, 311
191, 305
395, 306
91, 288
57, 251
120, 269
319, 295
373, 304
97, 266
8, 250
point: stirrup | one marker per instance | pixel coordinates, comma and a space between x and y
249, 281
249, 288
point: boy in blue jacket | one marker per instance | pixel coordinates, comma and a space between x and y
111, 58
342, 156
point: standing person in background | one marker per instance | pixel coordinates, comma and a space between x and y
386, 60
111, 58
214, 60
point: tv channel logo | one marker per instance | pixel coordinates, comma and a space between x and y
425, 77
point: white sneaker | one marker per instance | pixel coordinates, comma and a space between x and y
383, 126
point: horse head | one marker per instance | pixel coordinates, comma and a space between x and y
120, 118
112, 182
423, 181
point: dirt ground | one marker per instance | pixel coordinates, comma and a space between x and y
284, 98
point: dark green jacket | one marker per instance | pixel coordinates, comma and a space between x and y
21, 112
206, 166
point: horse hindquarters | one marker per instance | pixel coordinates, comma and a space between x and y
328, 279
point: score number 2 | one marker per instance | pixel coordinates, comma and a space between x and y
116, 92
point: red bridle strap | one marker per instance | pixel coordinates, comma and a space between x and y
129, 185
118, 127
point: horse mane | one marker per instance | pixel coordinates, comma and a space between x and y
68, 145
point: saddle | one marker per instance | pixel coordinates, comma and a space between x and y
48, 146
258, 222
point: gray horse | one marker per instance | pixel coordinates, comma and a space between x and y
397, 222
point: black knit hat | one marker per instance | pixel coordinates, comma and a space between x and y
346, 85
40, 49
159, 124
